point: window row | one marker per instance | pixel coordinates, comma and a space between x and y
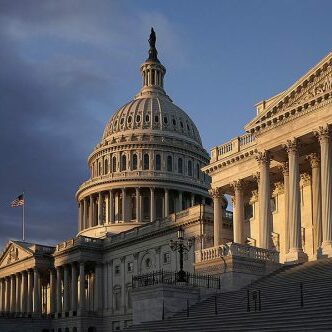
124, 165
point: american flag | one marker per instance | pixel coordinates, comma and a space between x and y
18, 201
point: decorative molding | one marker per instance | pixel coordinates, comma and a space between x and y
278, 188
305, 179
323, 134
215, 192
313, 159
254, 196
263, 157
291, 146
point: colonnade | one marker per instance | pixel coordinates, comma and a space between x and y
117, 205
20, 293
321, 182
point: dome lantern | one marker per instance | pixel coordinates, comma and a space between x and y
152, 71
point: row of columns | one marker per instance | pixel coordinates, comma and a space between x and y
321, 200
21, 293
92, 214
67, 288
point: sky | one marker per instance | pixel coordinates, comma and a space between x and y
67, 65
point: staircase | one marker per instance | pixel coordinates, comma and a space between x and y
296, 298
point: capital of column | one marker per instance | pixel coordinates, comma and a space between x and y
263, 157
215, 192
313, 159
291, 146
238, 185
284, 167
323, 134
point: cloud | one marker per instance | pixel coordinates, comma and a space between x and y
62, 69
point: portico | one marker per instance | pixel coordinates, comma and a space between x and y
278, 174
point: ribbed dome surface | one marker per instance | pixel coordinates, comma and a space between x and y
156, 112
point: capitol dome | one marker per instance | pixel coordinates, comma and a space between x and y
147, 164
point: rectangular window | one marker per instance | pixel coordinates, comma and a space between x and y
167, 258
248, 211
117, 269
130, 266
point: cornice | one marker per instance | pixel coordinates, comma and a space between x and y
229, 161
293, 114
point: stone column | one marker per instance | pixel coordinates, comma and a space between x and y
7, 298
123, 283
100, 209
24, 296
1, 296
66, 296
58, 290
82, 288
295, 253
18, 292
285, 172
192, 199
138, 213
123, 204
97, 286
264, 196
36, 292
316, 199
30, 292
166, 207
111, 207
91, 212
110, 285
105, 285
152, 205
238, 212
74, 284
80, 227
52, 291
85, 224
324, 135
12, 293
216, 195
180, 206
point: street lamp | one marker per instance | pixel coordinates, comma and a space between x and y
181, 248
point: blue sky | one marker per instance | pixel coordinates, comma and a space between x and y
66, 66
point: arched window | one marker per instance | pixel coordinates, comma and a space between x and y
114, 164
146, 161
169, 164
197, 171
158, 162
105, 166
99, 168
123, 162
134, 161
180, 165
190, 168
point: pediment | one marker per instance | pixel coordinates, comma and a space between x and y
314, 84
14, 252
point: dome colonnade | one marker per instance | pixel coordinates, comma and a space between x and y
148, 163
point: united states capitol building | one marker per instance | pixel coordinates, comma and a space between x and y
257, 207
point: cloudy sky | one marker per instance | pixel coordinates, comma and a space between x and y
67, 65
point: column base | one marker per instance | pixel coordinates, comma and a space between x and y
327, 249
296, 256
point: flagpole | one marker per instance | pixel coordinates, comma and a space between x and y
23, 225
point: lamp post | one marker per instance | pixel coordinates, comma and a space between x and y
181, 247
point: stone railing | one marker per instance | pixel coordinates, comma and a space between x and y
237, 250
79, 241
233, 146
193, 213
